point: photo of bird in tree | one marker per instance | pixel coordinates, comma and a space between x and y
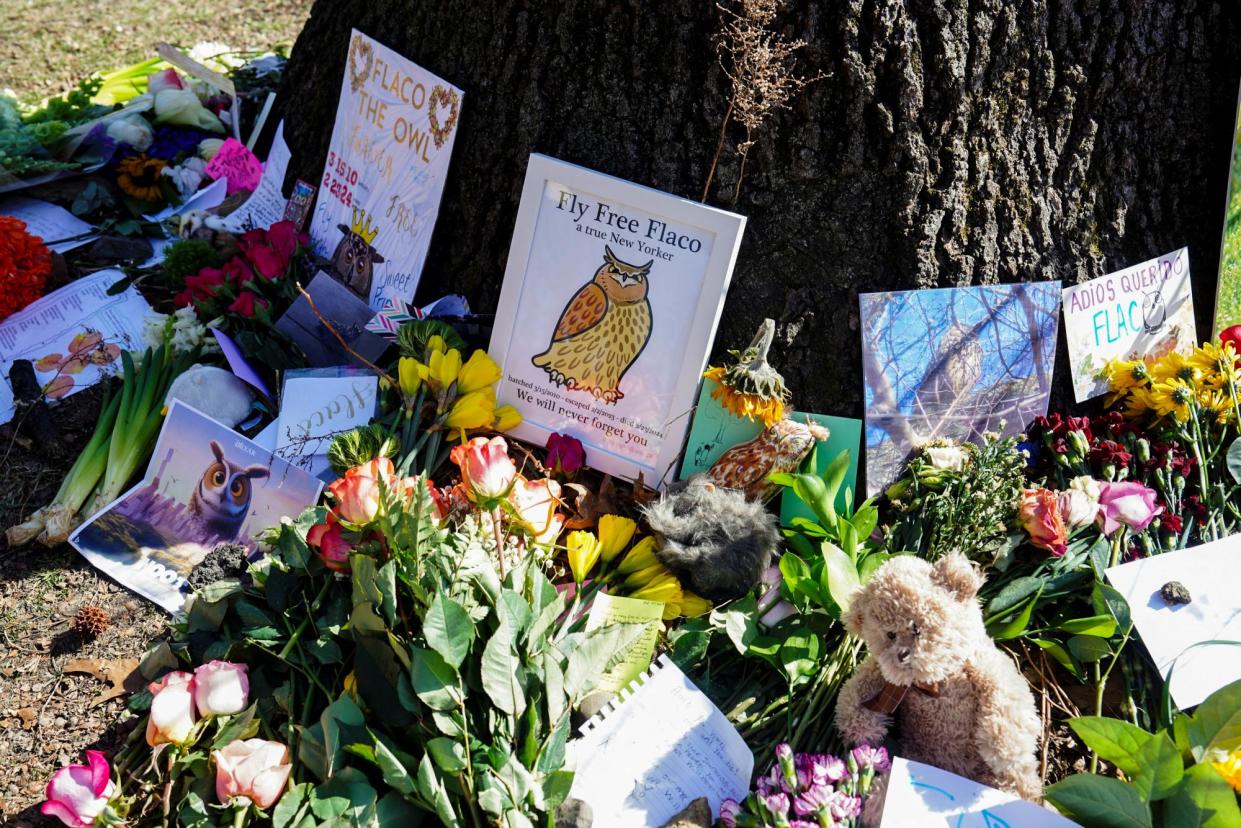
601, 331
953, 363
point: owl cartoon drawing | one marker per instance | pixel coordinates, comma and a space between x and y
1154, 312
601, 331
221, 500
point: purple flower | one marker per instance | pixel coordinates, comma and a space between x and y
818, 769
783, 751
773, 782
814, 800
802, 823
844, 806
729, 809
868, 756
173, 141
777, 804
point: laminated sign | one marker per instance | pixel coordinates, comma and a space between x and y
381, 186
610, 301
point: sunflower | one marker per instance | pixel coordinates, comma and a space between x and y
1173, 397
750, 387
139, 176
1123, 376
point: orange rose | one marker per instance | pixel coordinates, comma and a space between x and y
357, 494
486, 469
1039, 514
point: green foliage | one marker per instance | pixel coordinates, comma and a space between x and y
359, 446
412, 337
185, 258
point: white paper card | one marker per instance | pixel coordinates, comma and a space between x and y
928, 797
317, 404
205, 199
1212, 574
265, 206
385, 171
644, 758
73, 336
49, 222
1142, 311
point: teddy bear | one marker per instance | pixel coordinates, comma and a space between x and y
959, 703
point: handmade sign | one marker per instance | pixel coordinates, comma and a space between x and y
206, 485
381, 186
1228, 289
715, 430
317, 404
298, 207
1186, 606
347, 314
1142, 311
610, 301
928, 797
59, 229
614, 609
657, 748
266, 204
953, 363
73, 336
237, 165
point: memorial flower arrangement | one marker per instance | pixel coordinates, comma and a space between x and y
25, 264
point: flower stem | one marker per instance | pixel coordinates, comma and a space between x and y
495, 525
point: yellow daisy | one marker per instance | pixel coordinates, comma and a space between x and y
1124, 375
1138, 403
1175, 365
1173, 397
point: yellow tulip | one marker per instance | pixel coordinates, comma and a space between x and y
640, 557
583, 553
693, 605
477, 410
665, 589
409, 376
479, 372
507, 418
442, 369
436, 343
671, 610
645, 576
615, 532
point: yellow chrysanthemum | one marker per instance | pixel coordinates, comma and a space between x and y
1138, 403
1172, 398
1176, 366
1230, 769
1124, 376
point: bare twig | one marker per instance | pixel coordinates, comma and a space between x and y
323, 320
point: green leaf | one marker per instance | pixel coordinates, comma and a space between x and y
1116, 741
1016, 591
238, 726
1016, 625
448, 629
346, 795
1234, 459
811, 490
500, 673
1216, 724
1061, 655
1089, 648
1204, 798
431, 789
1160, 768
595, 654
840, 572
448, 754
395, 774
1103, 626
1115, 603
434, 680
513, 612
1099, 802
291, 807
1100, 556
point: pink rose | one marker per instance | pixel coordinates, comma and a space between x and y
76, 794
485, 467
172, 709
1126, 504
329, 539
1039, 514
535, 503
357, 493
221, 688
253, 771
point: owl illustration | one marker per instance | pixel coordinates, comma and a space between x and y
601, 331
780, 448
1154, 312
221, 500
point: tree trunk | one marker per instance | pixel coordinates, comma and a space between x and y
950, 142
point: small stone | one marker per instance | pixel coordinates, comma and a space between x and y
215, 392
696, 815
574, 813
1174, 593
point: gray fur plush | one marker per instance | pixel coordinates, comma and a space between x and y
717, 542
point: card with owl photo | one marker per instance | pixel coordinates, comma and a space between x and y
1143, 311
953, 363
206, 485
607, 314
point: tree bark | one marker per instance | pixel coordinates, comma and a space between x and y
951, 142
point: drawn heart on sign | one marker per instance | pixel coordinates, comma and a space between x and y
447, 98
360, 51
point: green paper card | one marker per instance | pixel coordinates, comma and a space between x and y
715, 430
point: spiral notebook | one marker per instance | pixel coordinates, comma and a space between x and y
654, 749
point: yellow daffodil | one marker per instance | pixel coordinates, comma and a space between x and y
477, 410
644, 576
477, 373
672, 609
442, 369
409, 376
666, 589
1172, 397
583, 553
1230, 769
615, 532
436, 343
640, 557
507, 418
693, 605
351, 685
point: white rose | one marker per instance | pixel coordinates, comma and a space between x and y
134, 131
947, 457
1077, 508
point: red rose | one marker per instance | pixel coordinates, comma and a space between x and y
282, 237
246, 303
269, 263
1231, 335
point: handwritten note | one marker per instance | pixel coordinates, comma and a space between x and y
318, 404
59, 229
644, 758
928, 797
266, 203
611, 609
236, 163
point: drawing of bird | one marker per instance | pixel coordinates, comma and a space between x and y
777, 449
601, 331
954, 371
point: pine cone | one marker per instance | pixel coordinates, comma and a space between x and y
90, 622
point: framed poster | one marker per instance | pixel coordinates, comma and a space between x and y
611, 297
1142, 311
385, 169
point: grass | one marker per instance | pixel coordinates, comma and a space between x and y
49, 45
1228, 301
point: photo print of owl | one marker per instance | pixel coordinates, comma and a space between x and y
953, 363
206, 485
1142, 312
607, 314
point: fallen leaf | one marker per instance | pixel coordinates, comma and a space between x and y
28, 715
121, 673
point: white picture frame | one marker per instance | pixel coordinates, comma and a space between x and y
689, 263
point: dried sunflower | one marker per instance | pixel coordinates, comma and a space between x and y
750, 387
139, 176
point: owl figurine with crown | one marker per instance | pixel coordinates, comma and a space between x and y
355, 257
